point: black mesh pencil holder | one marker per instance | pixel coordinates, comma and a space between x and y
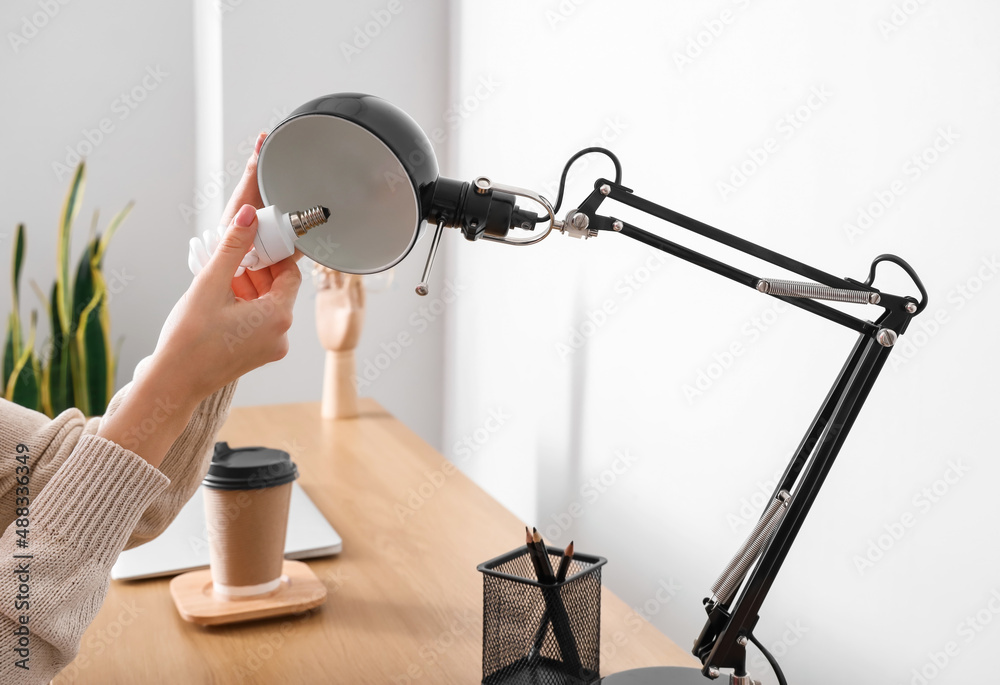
541, 634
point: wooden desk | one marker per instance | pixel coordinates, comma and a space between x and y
403, 609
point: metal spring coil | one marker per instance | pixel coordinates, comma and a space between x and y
815, 291
744, 558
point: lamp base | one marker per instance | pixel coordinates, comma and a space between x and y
656, 676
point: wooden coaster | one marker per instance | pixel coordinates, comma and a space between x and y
300, 589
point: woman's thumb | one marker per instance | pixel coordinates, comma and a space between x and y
233, 246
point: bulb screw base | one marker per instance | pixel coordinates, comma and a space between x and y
306, 219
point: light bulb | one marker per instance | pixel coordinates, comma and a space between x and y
275, 239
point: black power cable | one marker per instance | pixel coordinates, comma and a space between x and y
770, 659
569, 163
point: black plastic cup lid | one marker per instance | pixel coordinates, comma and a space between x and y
249, 468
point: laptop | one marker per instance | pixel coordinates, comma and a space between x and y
183, 546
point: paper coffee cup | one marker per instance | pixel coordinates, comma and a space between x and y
247, 494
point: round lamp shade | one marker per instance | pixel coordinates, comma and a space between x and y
365, 160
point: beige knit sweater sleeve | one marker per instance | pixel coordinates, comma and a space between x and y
87, 498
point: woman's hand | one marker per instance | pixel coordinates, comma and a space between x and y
221, 328
226, 325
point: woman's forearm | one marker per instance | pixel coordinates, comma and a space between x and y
151, 417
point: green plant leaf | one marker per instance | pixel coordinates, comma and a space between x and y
105, 312
71, 207
59, 381
111, 230
83, 284
12, 341
22, 387
90, 347
43, 368
40, 294
15, 271
83, 296
9, 351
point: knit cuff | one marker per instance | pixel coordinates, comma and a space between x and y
217, 404
189, 455
96, 497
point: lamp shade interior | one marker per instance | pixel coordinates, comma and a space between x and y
321, 159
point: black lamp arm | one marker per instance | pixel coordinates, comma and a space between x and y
732, 618
605, 189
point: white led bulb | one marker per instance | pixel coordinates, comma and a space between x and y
275, 239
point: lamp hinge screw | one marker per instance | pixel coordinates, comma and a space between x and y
605, 189
911, 307
580, 220
874, 298
763, 286
617, 225
742, 640
713, 672
886, 337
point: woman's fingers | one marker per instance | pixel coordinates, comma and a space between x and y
285, 284
237, 241
261, 279
244, 288
246, 192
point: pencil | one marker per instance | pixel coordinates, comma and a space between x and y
533, 555
543, 555
539, 638
567, 557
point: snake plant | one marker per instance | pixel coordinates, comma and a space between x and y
77, 364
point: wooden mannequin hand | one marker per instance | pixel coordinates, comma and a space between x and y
340, 309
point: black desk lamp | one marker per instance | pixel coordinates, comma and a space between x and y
374, 168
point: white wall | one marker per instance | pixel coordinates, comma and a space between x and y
237, 70
568, 72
